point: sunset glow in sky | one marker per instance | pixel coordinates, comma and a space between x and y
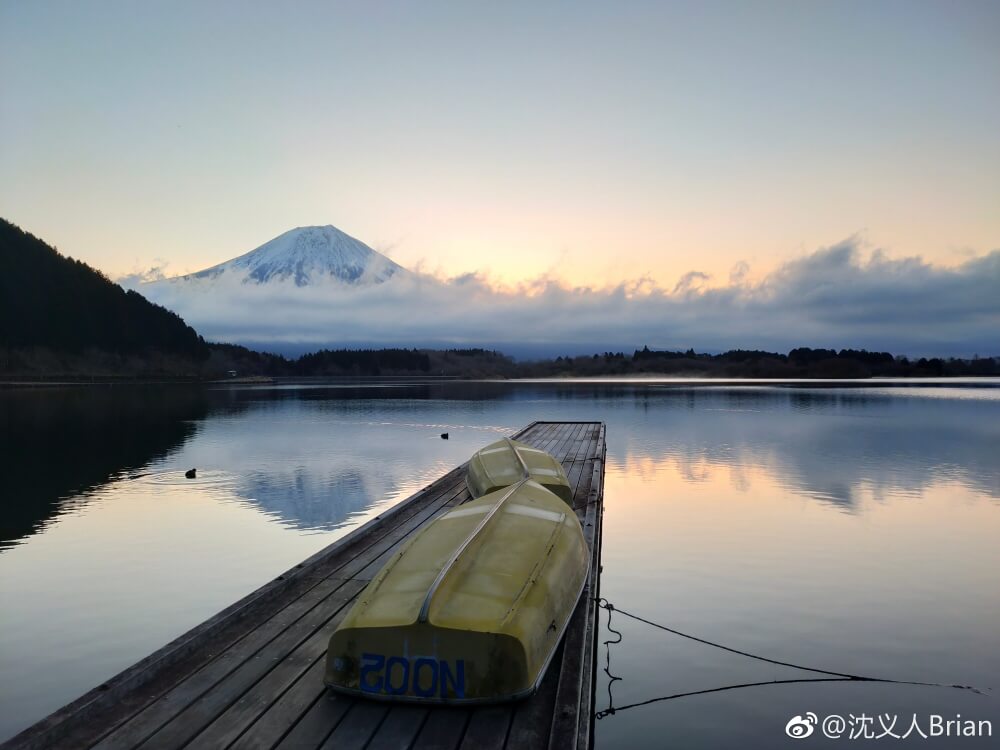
595, 143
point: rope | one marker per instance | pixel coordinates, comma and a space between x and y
834, 676
605, 604
612, 679
612, 710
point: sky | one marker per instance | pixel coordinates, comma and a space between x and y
596, 144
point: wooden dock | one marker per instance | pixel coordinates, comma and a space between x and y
251, 677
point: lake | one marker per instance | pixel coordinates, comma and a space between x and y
853, 528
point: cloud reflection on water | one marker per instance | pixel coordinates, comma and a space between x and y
826, 445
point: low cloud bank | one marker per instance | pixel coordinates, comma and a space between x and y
836, 297
136, 278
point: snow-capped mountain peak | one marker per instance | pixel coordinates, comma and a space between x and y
307, 255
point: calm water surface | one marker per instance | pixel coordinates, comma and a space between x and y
852, 529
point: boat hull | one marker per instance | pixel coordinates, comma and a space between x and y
504, 462
479, 623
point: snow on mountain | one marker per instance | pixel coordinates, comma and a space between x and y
305, 256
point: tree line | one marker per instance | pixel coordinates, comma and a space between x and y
801, 362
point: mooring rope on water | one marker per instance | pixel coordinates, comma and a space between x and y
834, 676
612, 679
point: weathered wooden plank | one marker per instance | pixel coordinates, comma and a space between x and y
573, 457
572, 686
318, 723
585, 731
590, 444
539, 431
184, 726
228, 725
361, 722
584, 441
581, 467
274, 723
574, 472
400, 728
546, 439
585, 718
443, 729
574, 704
487, 728
529, 726
578, 476
570, 435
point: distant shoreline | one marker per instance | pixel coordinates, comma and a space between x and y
665, 378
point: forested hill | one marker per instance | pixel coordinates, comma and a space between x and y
58, 304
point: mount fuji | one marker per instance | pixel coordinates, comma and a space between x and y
304, 256
307, 288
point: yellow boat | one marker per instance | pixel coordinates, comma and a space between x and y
472, 609
504, 462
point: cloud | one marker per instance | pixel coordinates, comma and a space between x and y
140, 276
738, 273
691, 282
837, 297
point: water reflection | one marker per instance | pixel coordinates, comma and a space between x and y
315, 463
725, 518
314, 455
831, 446
904, 588
60, 444
853, 528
